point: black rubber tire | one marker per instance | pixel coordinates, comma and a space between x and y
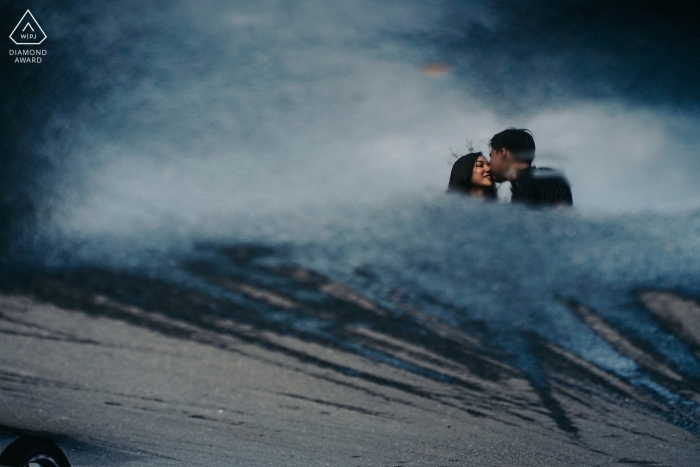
37, 451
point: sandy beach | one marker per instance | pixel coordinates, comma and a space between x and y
125, 394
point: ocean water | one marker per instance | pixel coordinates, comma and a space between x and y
283, 159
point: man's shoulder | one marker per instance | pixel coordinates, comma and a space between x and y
541, 186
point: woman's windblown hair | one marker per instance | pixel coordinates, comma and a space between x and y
461, 176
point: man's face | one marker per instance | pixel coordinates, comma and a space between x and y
498, 165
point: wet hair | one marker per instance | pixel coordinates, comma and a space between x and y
461, 176
518, 141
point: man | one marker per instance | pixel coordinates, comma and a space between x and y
512, 152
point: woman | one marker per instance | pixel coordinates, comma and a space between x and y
471, 175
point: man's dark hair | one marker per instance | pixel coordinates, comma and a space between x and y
519, 141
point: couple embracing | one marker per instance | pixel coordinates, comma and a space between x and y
512, 153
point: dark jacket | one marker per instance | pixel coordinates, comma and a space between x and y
541, 186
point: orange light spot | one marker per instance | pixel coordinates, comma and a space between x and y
435, 69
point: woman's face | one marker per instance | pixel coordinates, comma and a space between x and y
481, 175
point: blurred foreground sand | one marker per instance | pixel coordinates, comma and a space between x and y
129, 395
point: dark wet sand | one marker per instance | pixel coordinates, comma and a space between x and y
124, 393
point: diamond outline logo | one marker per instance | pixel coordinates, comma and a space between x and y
30, 27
